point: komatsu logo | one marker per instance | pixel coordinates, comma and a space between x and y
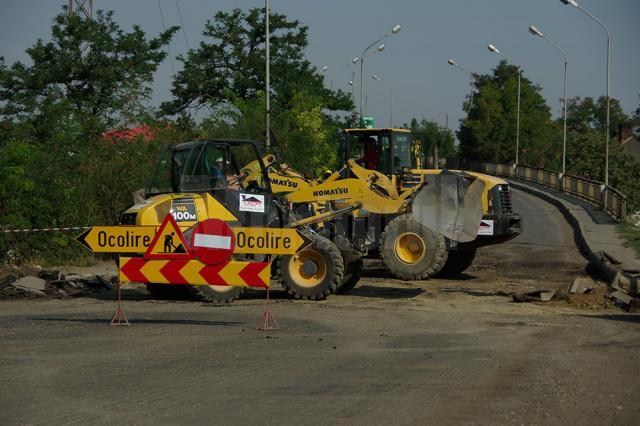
284, 182
328, 192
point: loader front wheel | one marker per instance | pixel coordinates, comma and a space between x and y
218, 294
410, 250
457, 262
313, 273
352, 275
353, 264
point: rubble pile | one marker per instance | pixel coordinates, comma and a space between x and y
52, 284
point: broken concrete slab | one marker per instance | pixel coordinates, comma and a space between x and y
5, 281
32, 283
546, 296
609, 257
621, 297
534, 296
49, 275
582, 285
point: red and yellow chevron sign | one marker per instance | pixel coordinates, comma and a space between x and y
194, 272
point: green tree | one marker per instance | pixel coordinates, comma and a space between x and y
488, 132
90, 69
432, 134
229, 65
585, 114
57, 168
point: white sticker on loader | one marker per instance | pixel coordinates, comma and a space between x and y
252, 203
486, 227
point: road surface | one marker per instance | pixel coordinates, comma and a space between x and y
427, 352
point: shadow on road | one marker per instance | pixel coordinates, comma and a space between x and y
385, 292
145, 321
632, 318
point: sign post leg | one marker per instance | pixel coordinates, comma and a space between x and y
119, 318
267, 321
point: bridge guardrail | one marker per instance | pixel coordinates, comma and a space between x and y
589, 190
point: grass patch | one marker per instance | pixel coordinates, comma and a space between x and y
631, 235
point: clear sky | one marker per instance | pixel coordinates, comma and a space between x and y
414, 64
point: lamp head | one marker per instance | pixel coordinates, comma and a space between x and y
381, 47
325, 68
396, 29
452, 62
492, 48
355, 60
375, 77
533, 30
350, 83
570, 2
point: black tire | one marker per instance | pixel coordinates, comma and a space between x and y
217, 294
457, 262
352, 275
322, 255
425, 253
167, 291
353, 264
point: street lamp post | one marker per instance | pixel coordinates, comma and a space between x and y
267, 136
375, 77
535, 31
394, 30
606, 130
455, 64
493, 49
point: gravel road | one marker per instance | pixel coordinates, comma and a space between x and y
391, 352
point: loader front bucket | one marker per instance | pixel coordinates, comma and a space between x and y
450, 204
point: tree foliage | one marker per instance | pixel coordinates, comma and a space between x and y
431, 133
488, 133
57, 168
229, 64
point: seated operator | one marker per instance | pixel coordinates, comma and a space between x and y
371, 155
217, 173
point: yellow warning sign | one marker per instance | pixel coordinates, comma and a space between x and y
117, 239
269, 240
168, 243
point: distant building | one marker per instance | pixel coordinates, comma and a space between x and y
630, 140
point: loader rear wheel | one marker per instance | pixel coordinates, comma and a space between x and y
218, 294
457, 262
313, 273
410, 250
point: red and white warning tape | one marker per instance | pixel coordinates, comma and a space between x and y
68, 228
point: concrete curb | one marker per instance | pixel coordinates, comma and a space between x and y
601, 268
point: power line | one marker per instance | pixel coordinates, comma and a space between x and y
186, 42
173, 70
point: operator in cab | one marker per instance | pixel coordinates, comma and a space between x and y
371, 154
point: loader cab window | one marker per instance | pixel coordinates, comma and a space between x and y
220, 166
401, 151
383, 161
168, 170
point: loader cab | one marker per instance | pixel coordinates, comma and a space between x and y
392, 146
215, 167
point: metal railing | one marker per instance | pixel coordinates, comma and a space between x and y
589, 190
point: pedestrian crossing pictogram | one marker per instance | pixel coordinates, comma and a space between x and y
169, 243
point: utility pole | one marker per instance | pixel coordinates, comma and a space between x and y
267, 83
78, 7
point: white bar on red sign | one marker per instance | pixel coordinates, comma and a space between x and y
212, 241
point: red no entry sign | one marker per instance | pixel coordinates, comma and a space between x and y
212, 241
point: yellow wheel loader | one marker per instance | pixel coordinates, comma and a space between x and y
227, 180
407, 249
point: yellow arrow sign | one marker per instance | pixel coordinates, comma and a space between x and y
136, 239
117, 239
269, 240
